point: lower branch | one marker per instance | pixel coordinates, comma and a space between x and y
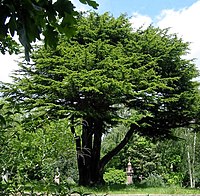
119, 147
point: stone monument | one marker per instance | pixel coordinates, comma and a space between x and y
129, 172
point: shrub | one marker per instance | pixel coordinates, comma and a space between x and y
174, 178
115, 176
153, 180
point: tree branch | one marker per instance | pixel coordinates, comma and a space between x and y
117, 149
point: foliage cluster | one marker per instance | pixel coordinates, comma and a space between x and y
153, 180
32, 155
114, 176
29, 19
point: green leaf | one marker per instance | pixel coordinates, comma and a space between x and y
83, 1
51, 36
63, 7
1, 106
91, 3
94, 4
2, 121
12, 25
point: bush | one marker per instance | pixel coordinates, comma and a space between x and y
115, 176
153, 180
174, 178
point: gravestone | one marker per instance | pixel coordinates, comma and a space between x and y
57, 176
5, 175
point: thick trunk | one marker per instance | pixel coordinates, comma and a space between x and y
84, 157
96, 175
88, 152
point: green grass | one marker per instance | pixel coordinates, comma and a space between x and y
103, 190
120, 189
166, 190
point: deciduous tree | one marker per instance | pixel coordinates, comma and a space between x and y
31, 18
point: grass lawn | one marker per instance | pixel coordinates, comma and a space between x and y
104, 190
166, 190
136, 190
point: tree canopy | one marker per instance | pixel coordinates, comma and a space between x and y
107, 74
31, 18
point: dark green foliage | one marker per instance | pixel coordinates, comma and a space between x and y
173, 159
145, 159
31, 18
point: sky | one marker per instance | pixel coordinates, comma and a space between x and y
181, 16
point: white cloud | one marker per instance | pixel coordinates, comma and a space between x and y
140, 21
184, 22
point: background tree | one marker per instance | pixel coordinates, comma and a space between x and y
172, 161
145, 159
179, 161
29, 19
109, 141
175, 161
191, 140
102, 70
32, 154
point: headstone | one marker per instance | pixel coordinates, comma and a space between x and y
129, 172
141, 177
5, 175
57, 177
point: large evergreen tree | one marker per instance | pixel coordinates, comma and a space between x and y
106, 75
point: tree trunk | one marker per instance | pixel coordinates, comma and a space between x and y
97, 175
190, 169
88, 152
191, 150
193, 161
